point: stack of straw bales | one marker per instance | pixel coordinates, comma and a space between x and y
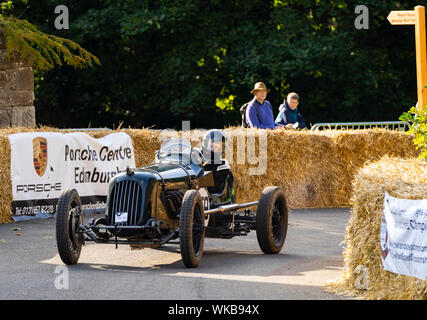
356, 147
6, 185
145, 143
402, 179
315, 169
304, 164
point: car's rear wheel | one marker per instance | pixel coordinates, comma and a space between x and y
68, 220
272, 220
191, 228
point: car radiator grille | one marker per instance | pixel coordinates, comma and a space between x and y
126, 197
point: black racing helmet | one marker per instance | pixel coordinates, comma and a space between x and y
213, 146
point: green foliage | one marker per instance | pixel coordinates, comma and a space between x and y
8, 5
170, 60
44, 51
4, 6
418, 120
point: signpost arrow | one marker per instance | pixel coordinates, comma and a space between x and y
402, 17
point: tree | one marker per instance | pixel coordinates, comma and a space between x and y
42, 50
170, 60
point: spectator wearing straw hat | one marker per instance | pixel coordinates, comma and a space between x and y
288, 113
259, 112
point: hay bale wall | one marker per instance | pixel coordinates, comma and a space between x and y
6, 185
315, 169
402, 179
304, 164
356, 147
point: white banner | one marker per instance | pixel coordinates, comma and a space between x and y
404, 236
45, 163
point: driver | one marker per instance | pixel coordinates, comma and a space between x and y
213, 151
213, 147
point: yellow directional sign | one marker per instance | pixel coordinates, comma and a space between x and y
402, 17
416, 17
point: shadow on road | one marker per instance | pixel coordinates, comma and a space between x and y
219, 262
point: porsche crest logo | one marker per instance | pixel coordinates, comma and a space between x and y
40, 155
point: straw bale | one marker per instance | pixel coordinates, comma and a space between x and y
145, 143
6, 185
304, 164
401, 178
315, 169
357, 147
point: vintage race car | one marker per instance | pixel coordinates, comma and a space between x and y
176, 197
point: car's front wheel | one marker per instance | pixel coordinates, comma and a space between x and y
191, 228
68, 220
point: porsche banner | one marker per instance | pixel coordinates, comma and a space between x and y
404, 236
45, 163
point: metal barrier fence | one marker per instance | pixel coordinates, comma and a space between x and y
391, 125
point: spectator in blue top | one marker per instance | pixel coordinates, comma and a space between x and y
259, 113
288, 113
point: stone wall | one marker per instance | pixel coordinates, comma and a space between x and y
16, 91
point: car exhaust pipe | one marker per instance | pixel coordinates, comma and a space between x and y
231, 207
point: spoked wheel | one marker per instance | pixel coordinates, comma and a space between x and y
68, 220
272, 220
191, 229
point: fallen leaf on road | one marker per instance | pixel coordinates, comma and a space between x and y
16, 229
19, 234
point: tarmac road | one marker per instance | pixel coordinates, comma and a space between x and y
230, 269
